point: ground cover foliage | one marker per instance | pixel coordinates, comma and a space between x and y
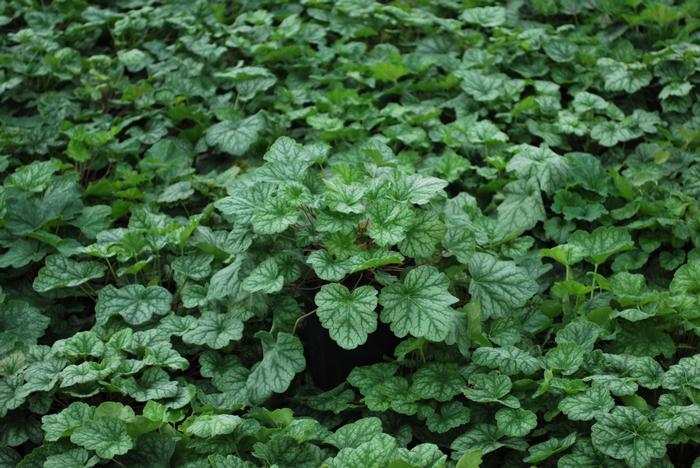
349, 233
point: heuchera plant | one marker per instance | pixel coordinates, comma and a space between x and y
349, 233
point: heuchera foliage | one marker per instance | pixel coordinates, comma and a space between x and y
349, 233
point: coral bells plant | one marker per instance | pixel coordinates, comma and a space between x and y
349, 234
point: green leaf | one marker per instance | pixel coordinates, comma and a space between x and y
336, 400
274, 215
137, 304
484, 438
152, 449
225, 282
344, 198
423, 236
500, 286
264, 278
241, 204
544, 450
672, 418
449, 416
549, 169
106, 436
82, 344
583, 454
481, 87
419, 304
22, 252
580, 331
356, 433
229, 461
610, 133
375, 258
60, 272
33, 177
235, 138
627, 77
211, 425
20, 323
566, 254
416, 189
424, 455
600, 244
566, 357
154, 384
585, 102
76, 458
326, 267
134, 60
508, 359
592, 403
575, 205
515, 422
686, 280
283, 357
348, 316
387, 71
378, 452
470, 459
11, 394
491, 388
367, 377
437, 381
521, 209
215, 330
487, 17
685, 373
196, 267
176, 192
626, 434
388, 222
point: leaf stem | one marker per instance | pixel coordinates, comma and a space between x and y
593, 282
302, 317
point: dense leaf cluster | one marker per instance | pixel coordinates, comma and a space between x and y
487, 213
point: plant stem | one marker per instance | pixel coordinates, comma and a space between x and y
593, 282
296, 324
